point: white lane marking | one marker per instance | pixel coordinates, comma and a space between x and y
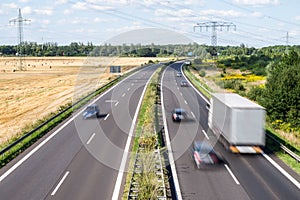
199, 93
127, 146
123, 95
91, 138
287, 175
106, 116
116, 103
177, 88
203, 131
231, 174
132, 84
20, 162
128, 89
168, 142
181, 94
193, 115
60, 183
111, 101
185, 101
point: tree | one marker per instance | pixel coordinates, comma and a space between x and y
282, 96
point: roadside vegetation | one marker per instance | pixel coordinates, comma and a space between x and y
271, 78
146, 142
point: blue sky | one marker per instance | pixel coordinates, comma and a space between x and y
258, 22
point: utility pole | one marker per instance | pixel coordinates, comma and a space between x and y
19, 21
214, 25
287, 39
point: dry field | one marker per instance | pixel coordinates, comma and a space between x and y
48, 83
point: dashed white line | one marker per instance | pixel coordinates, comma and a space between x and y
205, 134
193, 115
123, 95
185, 101
132, 84
177, 88
181, 94
116, 103
128, 89
231, 174
106, 116
60, 183
91, 138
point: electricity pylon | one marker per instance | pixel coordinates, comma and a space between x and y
214, 25
19, 21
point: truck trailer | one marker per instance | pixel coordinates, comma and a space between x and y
238, 123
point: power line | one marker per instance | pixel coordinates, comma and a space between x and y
19, 21
214, 25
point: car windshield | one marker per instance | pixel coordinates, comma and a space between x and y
203, 147
179, 111
91, 108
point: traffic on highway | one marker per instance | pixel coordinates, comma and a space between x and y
87, 155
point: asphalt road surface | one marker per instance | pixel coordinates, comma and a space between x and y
239, 177
80, 159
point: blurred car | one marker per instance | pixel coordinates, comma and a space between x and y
178, 114
204, 154
179, 74
91, 111
184, 83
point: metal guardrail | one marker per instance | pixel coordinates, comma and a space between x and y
284, 148
16, 142
10, 146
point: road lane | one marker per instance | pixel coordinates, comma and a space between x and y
92, 167
208, 183
257, 177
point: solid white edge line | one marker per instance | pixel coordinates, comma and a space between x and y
15, 166
168, 143
203, 131
92, 136
287, 175
60, 183
106, 116
128, 142
193, 85
231, 174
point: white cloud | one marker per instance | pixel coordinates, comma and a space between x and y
26, 10
67, 12
222, 13
9, 6
24, 1
45, 11
297, 18
80, 6
60, 2
257, 14
178, 13
256, 2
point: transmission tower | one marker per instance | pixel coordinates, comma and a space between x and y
19, 21
214, 25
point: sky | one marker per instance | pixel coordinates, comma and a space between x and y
254, 23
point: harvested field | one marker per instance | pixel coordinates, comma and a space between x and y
48, 83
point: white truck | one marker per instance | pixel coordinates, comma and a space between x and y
237, 122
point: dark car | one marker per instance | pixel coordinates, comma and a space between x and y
91, 111
204, 154
178, 114
184, 83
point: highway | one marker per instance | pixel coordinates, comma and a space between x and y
240, 177
80, 159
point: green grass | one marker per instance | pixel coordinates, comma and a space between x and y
145, 134
20, 147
